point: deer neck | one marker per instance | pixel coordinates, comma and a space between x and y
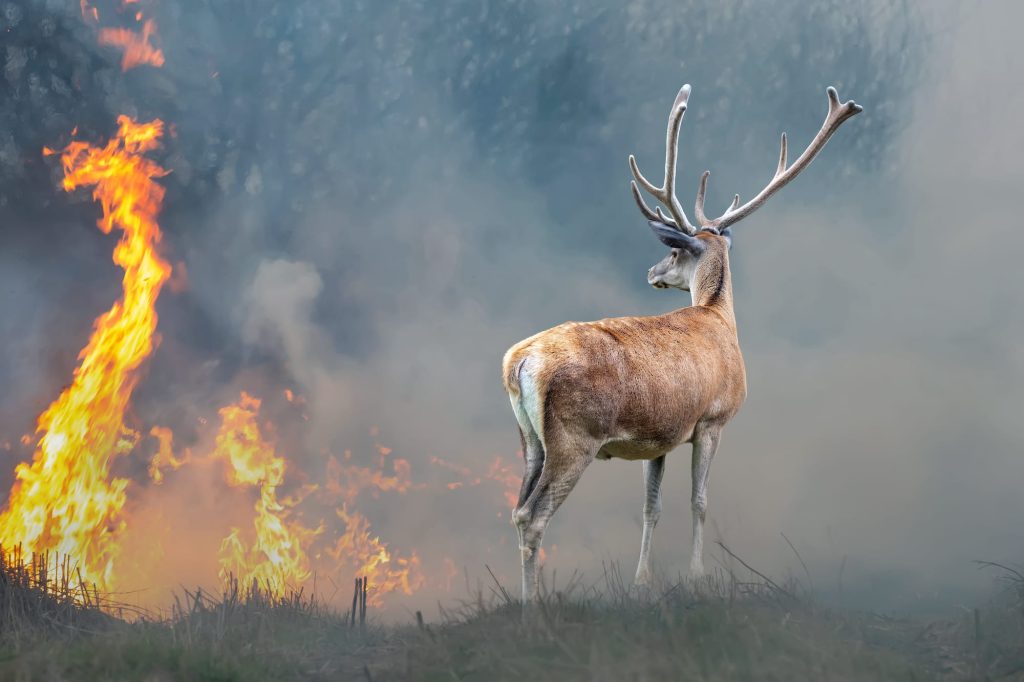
711, 284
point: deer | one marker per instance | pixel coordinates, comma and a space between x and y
635, 388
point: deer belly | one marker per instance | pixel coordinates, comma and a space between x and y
631, 448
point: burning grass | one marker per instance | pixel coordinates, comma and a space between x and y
45, 596
52, 629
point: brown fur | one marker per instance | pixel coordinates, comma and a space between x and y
636, 387
639, 386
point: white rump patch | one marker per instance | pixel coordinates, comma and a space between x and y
528, 406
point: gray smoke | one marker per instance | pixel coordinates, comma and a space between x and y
373, 202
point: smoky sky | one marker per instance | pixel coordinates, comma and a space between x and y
372, 201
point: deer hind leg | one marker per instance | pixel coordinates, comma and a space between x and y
654, 470
533, 457
533, 446
561, 471
705, 444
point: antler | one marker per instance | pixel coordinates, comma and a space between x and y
666, 194
837, 115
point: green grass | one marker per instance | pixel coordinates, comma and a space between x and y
722, 629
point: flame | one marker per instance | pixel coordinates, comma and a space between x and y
499, 471
164, 457
137, 47
277, 560
504, 474
66, 500
369, 556
88, 11
356, 551
347, 481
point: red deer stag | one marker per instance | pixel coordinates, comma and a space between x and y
636, 387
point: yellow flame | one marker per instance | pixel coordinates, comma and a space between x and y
369, 557
164, 457
277, 560
66, 500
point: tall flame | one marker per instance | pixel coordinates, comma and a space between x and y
277, 560
66, 500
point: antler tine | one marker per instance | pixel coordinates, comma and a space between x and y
782, 157
666, 194
838, 113
698, 206
648, 213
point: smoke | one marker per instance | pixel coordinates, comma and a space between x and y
373, 202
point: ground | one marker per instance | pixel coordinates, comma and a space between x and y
723, 629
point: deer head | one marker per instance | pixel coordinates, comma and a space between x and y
690, 243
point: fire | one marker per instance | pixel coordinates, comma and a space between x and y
504, 474
499, 471
347, 481
369, 556
88, 11
138, 49
164, 457
356, 551
277, 560
66, 500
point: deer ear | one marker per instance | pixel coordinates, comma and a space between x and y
676, 239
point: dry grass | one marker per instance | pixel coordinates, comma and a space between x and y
46, 596
721, 628
738, 624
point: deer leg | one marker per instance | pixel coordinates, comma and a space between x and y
654, 470
533, 457
704, 446
557, 479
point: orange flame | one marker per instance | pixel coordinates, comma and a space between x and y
355, 550
137, 47
347, 481
164, 457
277, 560
499, 471
89, 11
369, 556
504, 474
66, 500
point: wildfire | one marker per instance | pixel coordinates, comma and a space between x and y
89, 12
137, 47
499, 471
66, 500
369, 556
277, 560
347, 481
164, 457
355, 550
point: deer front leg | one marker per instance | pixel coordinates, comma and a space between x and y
654, 470
704, 446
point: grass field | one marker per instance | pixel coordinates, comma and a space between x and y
723, 629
